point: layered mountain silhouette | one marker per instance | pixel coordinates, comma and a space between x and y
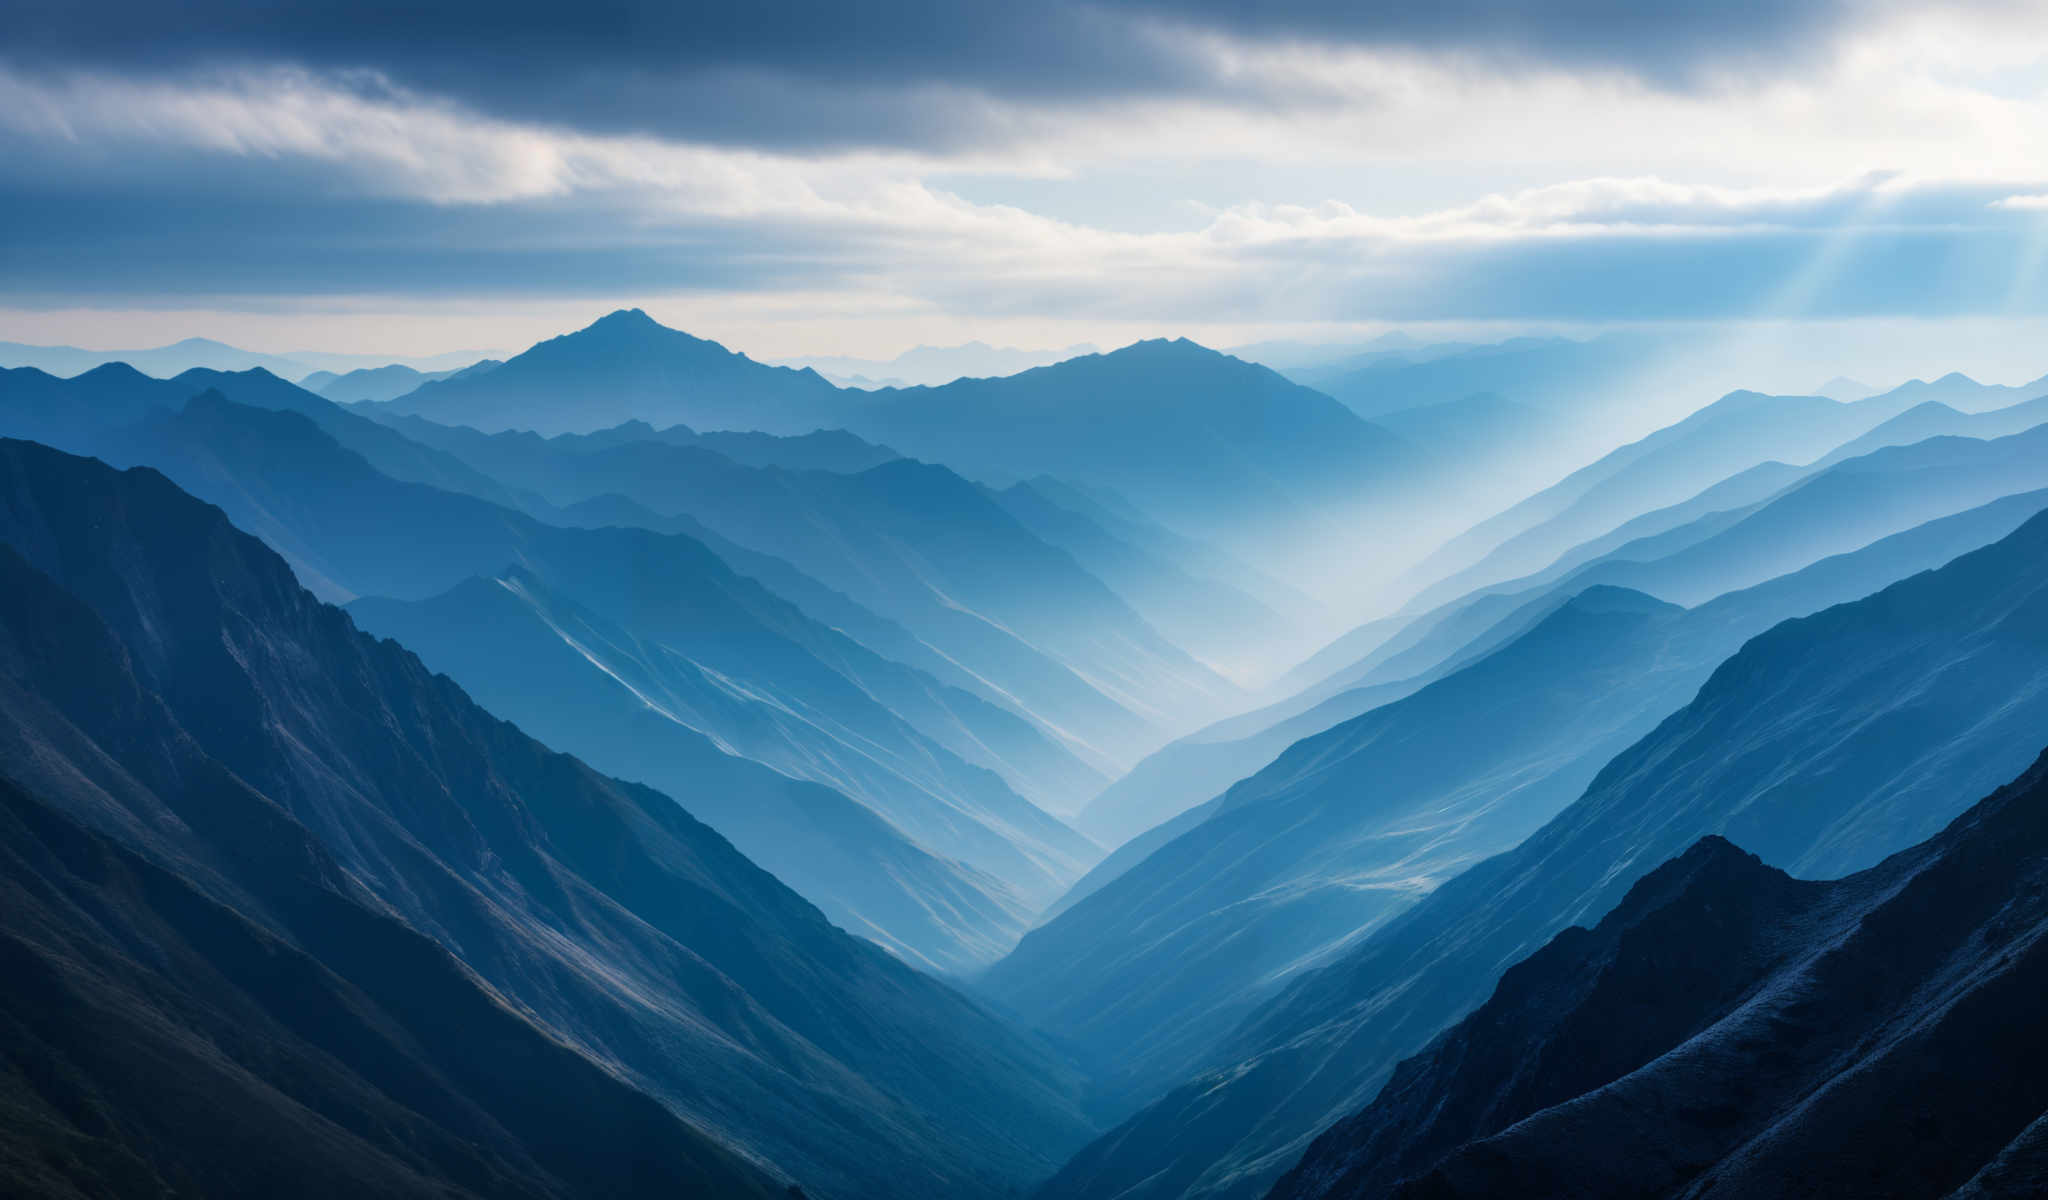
1823, 746
1179, 776
1339, 834
519, 455
434, 950
656, 713
1214, 447
767, 681
389, 382
1737, 432
917, 544
626, 366
163, 362
1729, 1030
1720, 540
597, 776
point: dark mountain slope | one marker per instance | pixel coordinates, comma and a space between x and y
158, 1041
1825, 744
609, 916
1666, 670
105, 406
637, 708
362, 533
626, 367
1729, 1031
1690, 941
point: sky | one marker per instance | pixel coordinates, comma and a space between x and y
799, 176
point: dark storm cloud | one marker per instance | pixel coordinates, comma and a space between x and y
884, 72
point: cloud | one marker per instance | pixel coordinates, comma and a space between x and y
924, 74
239, 156
285, 183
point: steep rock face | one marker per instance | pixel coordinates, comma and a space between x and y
1689, 941
1824, 745
157, 1040
626, 366
225, 722
1728, 1031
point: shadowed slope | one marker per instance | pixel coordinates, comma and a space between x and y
614, 920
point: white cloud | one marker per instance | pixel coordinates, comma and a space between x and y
1867, 143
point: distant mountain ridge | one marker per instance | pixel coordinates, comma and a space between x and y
163, 362
1214, 447
372, 384
929, 366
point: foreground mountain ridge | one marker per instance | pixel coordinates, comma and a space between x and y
615, 922
1822, 745
1730, 1031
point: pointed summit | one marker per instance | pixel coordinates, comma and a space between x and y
625, 320
627, 366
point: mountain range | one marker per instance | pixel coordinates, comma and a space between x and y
1825, 744
929, 366
765, 679
631, 768
1770, 1056
473, 917
164, 362
915, 543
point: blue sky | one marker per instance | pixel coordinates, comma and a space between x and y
795, 176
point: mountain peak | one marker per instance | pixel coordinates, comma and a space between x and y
625, 318
113, 371
1608, 598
